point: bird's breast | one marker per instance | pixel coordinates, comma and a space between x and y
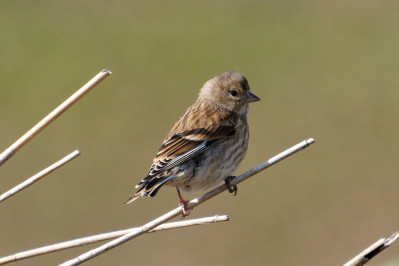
215, 164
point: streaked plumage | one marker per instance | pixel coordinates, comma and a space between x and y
207, 143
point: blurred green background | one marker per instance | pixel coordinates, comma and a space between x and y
323, 69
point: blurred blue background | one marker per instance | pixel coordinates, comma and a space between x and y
327, 70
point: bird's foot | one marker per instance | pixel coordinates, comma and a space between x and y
183, 203
230, 188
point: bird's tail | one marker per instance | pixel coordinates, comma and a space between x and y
149, 188
133, 198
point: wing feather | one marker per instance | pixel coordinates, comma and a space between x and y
194, 133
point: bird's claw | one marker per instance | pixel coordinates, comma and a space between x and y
231, 188
186, 212
183, 203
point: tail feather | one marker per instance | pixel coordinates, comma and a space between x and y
154, 191
149, 188
133, 198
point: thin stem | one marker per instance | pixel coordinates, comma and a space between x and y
372, 251
10, 151
106, 236
30, 181
193, 203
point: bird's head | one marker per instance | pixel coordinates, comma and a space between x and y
229, 90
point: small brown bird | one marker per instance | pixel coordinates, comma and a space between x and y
207, 143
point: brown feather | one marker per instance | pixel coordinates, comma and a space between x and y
217, 118
189, 131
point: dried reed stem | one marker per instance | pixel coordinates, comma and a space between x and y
38, 176
106, 236
372, 250
193, 203
10, 151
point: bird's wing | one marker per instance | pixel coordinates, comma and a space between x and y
192, 135
187, 145
177, 150
201, 127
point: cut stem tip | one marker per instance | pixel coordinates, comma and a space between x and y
310, 141
106, 71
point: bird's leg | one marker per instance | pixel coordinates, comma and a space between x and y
183, 203
230, 188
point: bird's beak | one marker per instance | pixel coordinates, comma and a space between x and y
251, 98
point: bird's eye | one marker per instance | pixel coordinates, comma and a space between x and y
233, 93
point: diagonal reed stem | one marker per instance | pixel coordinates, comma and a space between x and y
10, 151
106, 236
190, 205
373, 250
30, 181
